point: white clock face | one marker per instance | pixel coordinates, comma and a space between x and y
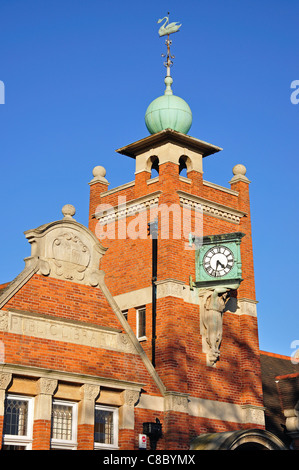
218, 261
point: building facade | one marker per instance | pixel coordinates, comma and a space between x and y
144, 323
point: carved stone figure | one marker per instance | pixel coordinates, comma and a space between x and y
212, 314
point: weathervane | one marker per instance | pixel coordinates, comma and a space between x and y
167, 29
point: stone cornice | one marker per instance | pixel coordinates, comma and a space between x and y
118, 188
220, 188
72, 377
211, 208
165, 136
128, 208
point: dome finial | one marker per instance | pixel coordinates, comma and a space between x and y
168, 82
168, 111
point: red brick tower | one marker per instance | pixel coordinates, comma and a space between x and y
189, 295
196, 323
202, 398
118, 328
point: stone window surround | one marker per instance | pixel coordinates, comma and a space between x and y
129, 396
90, 392
138, 312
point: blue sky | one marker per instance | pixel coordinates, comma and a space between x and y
79, 75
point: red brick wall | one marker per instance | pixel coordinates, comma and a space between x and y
126, 439
180, 361
85, 437
1, 431
68, 300
41, 435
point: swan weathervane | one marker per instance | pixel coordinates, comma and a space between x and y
166, 31
170, 28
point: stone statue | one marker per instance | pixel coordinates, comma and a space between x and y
212, 314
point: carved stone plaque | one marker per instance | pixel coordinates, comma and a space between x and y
71, 256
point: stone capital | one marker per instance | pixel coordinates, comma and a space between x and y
175, 401
130, 397
253, 414
5, 379
89, 392
46, 386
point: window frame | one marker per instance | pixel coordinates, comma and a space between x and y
67, 444
141, 337
14, 439
99, 445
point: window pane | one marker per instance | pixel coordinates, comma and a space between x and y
103, 427
141, 322
62, 421
15, 419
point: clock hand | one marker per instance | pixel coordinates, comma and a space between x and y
219, 262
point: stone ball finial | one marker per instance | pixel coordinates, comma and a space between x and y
99, 171
68, 211
239, 172
239, 169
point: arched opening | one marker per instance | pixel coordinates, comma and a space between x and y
184, 165
251, 446
154, 166
249, 439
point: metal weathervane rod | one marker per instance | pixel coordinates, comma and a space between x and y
165, 30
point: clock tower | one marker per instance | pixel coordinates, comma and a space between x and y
198, 308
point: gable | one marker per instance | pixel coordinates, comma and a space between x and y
59, 314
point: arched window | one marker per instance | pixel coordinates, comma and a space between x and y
184, 165
154, 166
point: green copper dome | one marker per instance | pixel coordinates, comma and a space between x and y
168, 112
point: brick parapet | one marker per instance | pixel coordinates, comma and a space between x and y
247, 288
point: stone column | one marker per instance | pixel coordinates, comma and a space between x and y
86, 411
127, 419
5, 379
176, 422
43, 413
292, 425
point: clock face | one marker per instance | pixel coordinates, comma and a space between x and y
218, 261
